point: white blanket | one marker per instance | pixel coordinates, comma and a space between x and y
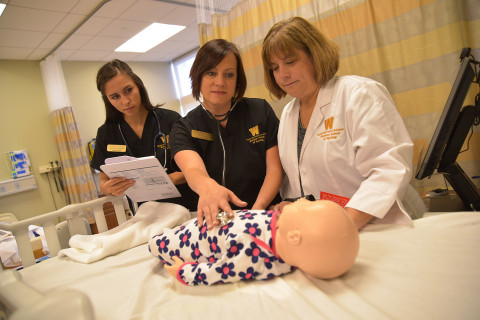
151, 218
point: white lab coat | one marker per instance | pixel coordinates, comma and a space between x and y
356, 146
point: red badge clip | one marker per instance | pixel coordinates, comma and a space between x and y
341, 201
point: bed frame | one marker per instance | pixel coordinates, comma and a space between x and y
74, 214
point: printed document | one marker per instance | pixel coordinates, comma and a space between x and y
151, 179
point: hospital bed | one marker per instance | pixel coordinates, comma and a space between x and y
430, 270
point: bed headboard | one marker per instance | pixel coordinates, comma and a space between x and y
74, 214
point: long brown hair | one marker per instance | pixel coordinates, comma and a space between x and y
106, 73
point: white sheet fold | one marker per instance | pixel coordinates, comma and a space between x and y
151, 218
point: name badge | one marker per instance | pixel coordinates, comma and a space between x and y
202, 135
116, 148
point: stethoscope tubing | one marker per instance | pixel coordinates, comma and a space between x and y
220, 135
159, 134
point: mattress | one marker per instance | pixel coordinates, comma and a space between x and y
430, 270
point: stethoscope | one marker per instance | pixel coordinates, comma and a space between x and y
225, 117
155, 139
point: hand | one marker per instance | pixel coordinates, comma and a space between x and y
279, 206
214, 198
173, 269
117, 186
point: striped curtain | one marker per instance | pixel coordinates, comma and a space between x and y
411, 46
76, 172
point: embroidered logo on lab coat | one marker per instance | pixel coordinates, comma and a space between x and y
330, 132
256, 135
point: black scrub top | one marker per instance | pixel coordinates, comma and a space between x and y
250, 131
109, 134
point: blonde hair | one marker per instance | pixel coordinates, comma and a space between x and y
297, 33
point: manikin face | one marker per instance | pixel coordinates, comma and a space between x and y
295, 74
124, 95
318, 237
219, 83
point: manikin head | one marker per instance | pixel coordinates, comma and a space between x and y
318, 237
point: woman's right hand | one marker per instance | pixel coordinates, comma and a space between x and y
215, 198
114, 186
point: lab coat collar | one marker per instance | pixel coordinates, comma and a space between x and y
324, 98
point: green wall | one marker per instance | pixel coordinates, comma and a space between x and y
25, 120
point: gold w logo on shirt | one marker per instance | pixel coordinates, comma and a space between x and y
329, 123
253, 130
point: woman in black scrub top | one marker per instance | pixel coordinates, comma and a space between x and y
227, 146
132, 128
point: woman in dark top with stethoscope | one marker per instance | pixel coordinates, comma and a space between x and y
134, 127
227, 146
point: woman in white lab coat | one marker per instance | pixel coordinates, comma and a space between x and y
341, 137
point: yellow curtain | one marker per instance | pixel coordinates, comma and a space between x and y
411, 46
76, 172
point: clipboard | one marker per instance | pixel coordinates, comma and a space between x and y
151, 179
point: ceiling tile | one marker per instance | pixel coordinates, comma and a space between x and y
187, 35
51, 40
123, 28
63, 54
76, 41
115, 8
52, 5
29, 29
14, 53
21, 39
103, 43
183, 16
86, 55
84, 7
94, 25
69, 22
38, 54
29, 19
148, 11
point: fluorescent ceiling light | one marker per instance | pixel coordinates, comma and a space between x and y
2, 7
149, 37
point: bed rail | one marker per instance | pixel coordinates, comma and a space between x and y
74, 214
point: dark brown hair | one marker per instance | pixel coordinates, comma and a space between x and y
297, 33
208, 57
106, 73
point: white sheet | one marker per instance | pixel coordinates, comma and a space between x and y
428, 271
151, 219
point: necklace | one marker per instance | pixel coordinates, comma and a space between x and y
225, 115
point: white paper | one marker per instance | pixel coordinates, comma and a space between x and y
119, 159
151, 180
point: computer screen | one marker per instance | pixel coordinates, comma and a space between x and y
449, 136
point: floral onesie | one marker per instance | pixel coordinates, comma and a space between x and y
241, 250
